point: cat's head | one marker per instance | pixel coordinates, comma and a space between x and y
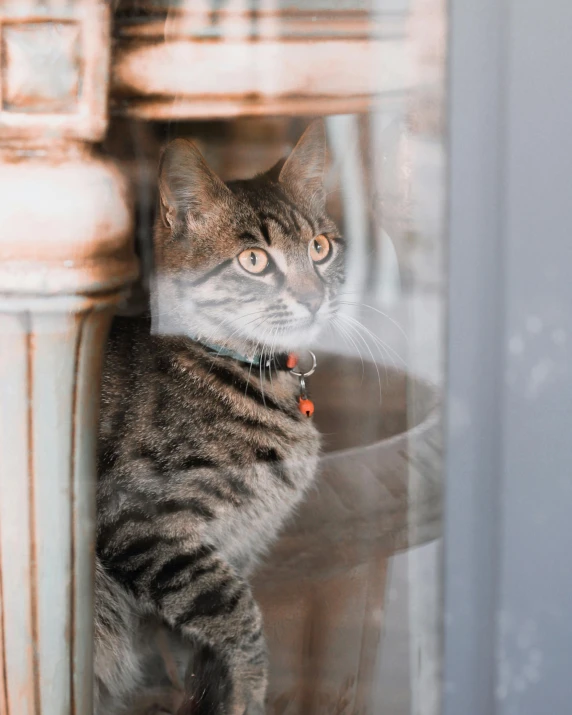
253, 263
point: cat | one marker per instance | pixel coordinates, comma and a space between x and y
202, 450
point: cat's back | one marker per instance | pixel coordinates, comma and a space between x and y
127, 360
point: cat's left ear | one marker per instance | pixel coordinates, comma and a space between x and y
190, 193
303, 171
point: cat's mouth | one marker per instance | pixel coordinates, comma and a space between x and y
261, 330
298, 334
300, 324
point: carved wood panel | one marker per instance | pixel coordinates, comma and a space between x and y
54, 70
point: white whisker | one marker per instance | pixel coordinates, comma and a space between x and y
379, 342
356, 331
273, 338
353, 342
371, 307
250, 369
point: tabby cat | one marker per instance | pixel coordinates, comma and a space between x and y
203, 451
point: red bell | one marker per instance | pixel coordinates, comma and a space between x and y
306, 406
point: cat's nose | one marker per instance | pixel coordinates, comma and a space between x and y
312, 301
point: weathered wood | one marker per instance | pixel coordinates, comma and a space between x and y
55, 66
65, 258
184, 62
49, 365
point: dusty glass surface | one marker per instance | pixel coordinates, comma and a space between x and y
350, 590
221, 479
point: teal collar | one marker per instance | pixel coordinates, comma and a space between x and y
277, 362
227, 352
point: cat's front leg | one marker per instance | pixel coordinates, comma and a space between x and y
205, 600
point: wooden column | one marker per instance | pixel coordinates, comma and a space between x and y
65, 258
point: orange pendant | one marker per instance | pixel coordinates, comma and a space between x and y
291, 361
306, 406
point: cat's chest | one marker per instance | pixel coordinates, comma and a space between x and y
245, 533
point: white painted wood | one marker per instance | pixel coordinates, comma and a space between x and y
15, 546
52, 355
335, 68
343, 135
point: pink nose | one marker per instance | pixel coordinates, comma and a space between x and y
312, 301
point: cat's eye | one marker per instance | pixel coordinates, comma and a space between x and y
319, 249
254, 260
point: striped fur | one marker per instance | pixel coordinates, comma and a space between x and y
201, 457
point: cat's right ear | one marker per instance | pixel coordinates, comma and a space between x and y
189, 192
303, 171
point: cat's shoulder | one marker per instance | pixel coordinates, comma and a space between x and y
134, 350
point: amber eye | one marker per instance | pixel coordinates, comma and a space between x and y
253, 260
319, 249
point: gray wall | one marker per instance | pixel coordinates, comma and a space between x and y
508, 576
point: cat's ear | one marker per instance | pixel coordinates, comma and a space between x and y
303, 171
189, 192
273, 174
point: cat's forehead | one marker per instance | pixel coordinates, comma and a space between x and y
274, 214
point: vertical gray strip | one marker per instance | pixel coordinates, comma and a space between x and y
4, 675
474, 429
508, 585
535, 594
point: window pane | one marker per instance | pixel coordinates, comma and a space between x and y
247, 273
